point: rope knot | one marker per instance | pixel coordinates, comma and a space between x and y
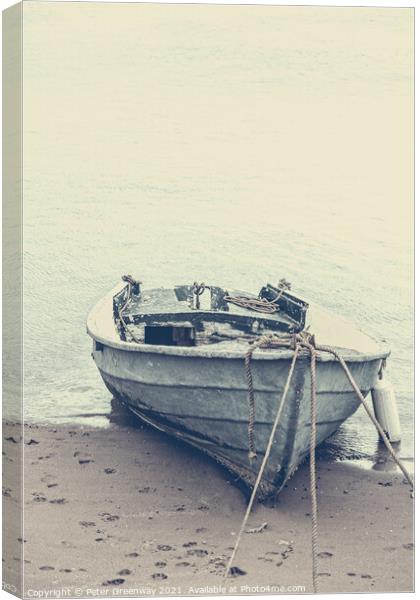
294, 341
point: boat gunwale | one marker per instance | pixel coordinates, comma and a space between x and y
214, 351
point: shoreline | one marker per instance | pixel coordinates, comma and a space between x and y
130, 511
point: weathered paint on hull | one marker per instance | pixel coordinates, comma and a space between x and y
204, 402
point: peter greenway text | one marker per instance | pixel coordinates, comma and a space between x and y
164, 590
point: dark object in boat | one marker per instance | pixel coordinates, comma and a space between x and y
170, 335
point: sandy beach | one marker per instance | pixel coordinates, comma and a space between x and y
128, 511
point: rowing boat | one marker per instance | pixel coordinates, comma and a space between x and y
175, 357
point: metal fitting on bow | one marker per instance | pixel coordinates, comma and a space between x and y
198, 289
135, 285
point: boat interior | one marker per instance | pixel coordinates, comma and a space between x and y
191, 315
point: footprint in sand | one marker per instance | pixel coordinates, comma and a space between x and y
117, 581
87, 524
219, 562
159, 576
164, 547
37, 497
197, 552
108, 517
265, 559
160, 564
58, 501
46, 568
325, 554
49, 479
133, 555
285, 553
124, 572
189, 544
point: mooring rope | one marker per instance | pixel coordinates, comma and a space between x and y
261, 305
371, 415
312, 471
299, 342
262, 341
264, 461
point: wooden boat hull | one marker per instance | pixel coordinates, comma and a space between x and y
203, 401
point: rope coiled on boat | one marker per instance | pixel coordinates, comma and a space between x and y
261, 305
301, 343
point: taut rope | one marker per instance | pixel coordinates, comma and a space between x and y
312, 470
264, 461
369, 411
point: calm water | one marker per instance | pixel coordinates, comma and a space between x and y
234, 145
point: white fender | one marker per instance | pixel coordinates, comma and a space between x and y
386, 409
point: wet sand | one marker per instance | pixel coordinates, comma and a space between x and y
129, 511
